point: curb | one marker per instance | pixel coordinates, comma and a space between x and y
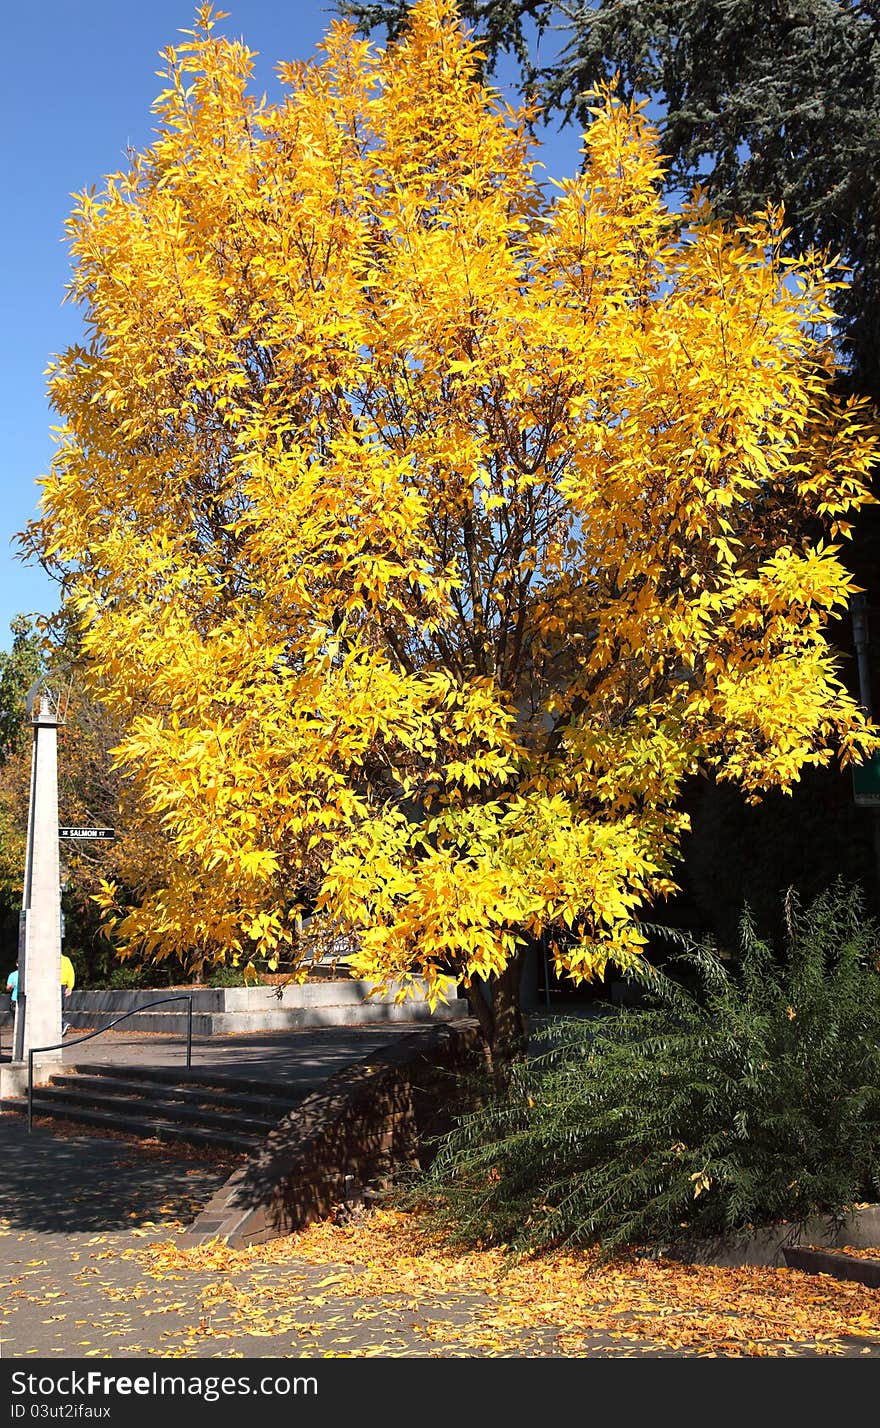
771, 1245
840, 1266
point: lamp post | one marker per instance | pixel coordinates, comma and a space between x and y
38, 1007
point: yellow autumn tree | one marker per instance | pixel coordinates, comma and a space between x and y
428, 522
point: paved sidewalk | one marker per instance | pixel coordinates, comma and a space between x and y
301, 1058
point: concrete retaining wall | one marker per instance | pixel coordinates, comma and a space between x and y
768, 1246
343, 991
219, 1010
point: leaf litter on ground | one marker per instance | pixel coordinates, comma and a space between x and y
390, 1259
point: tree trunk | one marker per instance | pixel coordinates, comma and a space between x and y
503, 1025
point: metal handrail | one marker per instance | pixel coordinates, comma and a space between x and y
58, 1045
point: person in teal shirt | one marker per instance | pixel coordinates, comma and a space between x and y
67, 982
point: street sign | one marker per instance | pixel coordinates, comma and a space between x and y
86, 834
866, 782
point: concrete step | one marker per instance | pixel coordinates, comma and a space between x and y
146, 1126
225, 1111
325, 992
270, 1019
258, 1103
162, 1106
172, 1022
192, 1079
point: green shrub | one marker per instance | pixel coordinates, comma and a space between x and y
755, 1099
130, 976
226, 977
126, 978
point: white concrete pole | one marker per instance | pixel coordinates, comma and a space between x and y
38, 1021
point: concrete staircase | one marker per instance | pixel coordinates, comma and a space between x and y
209, 1109
327, 1002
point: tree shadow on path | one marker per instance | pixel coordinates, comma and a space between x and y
55, 1182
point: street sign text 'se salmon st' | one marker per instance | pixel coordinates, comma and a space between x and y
86, 835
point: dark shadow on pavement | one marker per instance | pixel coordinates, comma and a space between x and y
58, 1183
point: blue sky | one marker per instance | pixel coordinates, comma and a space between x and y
80, 77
